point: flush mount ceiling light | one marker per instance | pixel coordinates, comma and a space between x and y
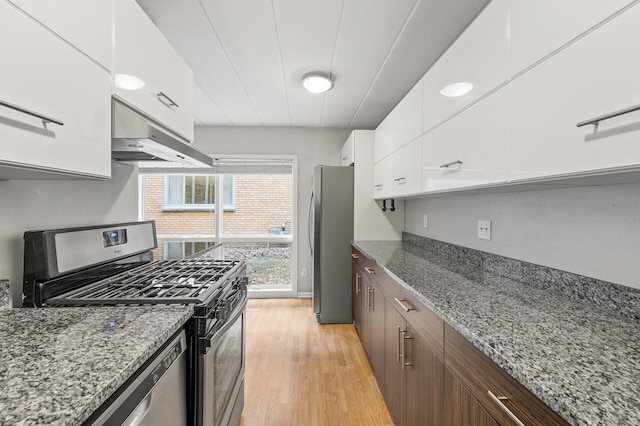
317, 83
129, 82
456, 89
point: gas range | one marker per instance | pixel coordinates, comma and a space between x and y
113, 265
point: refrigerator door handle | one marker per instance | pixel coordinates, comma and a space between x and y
309, 224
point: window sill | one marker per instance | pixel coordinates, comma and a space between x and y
196, 208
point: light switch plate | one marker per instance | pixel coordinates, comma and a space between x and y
484, 229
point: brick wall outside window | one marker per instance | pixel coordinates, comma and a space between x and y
261, 202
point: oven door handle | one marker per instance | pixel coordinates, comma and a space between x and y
205, 342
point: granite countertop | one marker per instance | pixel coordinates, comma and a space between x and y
60, 364
581, 360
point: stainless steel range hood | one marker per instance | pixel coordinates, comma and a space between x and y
137, 139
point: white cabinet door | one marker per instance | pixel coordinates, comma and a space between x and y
43, 74
406, 170
540, 27
140, 50
401, 126
347, 155
382, 179
470, 149
477, 60
596, 75
86, 24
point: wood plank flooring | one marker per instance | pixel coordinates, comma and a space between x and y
299, 372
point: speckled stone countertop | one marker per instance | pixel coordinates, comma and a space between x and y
4, 294
583, 361
58, 365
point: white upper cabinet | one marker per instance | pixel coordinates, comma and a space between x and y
595, 76
382, 179
473, 66
347, 154
142, 52
401, 126
55, 115
406, 170
540, 27
469, 150
86, 24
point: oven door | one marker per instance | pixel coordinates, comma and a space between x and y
222, 367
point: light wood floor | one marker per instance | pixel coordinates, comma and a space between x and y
299, 372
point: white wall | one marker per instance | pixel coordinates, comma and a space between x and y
591, 231
311, 145
32, 205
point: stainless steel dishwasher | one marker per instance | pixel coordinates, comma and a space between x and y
157, 396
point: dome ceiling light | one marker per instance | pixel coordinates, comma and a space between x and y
317, 83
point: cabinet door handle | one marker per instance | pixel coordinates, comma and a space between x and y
597, 120
344, 158
372, 299
400, 179
366, 298
355, 256
498, 400
378, 185
369, 270
404, 350
447, 165
171, 103
398, 349
358, 276
42, 117
405, 307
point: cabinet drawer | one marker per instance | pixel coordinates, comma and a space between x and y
595, 76
425, 322
86, 24
470, 149
562, 22
478, 57
480, 375
45, 75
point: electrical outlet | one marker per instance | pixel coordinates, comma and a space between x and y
484, 229
426, 221
303, 272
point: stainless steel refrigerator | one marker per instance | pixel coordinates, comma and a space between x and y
330, 236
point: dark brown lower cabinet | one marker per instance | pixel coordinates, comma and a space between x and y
429, 373
413, 375
460, 408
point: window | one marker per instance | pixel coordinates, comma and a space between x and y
196, 192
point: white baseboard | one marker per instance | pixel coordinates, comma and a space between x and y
305, 294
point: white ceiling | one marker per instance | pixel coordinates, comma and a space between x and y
248, 56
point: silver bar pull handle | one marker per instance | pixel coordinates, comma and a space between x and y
358, 276
446, 166
372, 299
597, 120
171, 103
369, 270
498, 400
404, 351
42, 117
398, 350
405, 307
378, 185
366, 298
400, 179
355, 256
